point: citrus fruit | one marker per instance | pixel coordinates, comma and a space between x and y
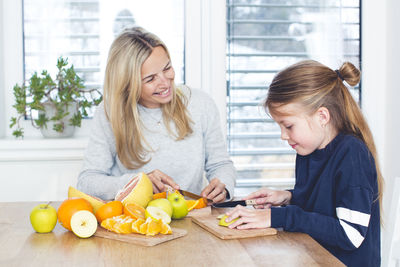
153, 227
222, 221
136, 225
121, 224
96, 202
139, 190
196, 204
111, 209
165, 229
160, 195
135, 211
68, 207
157, 213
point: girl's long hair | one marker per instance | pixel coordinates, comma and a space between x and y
122, 90
314, 85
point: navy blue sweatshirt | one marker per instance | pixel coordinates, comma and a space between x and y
335, 201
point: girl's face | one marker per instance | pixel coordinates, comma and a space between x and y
305, 133
157, 77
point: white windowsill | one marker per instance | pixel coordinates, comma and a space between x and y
41, 149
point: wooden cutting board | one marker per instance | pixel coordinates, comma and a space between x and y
139, 239
199, 212
210, 223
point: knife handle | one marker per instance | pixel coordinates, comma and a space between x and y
251, 202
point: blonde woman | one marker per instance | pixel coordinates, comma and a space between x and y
147, 124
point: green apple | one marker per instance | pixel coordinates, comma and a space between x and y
222, 221
162, 203
179, 205
43, 218
157, 213
83, 223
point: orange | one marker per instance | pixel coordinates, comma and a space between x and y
190, 203
109, 210
153, 227
160, 195
121, 224
68, 207
196, 204
136, 225
143, 227
134, 210
165, 229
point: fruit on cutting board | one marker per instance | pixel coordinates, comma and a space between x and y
68, 207
94, 201
179, 205
222, 221
196, 204
139, 190
121, 224
135, 211
162, 203
111, 209
43, 218
157, 213
83, 223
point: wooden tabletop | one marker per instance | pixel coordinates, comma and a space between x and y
20, 245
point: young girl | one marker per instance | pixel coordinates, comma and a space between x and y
338, 191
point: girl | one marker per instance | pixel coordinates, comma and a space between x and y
338, 190
147, 124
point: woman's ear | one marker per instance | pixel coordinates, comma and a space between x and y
324, 116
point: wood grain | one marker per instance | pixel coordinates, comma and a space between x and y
210, 223
139, 239
199, 212
21, 246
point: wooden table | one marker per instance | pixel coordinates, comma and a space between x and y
21, 246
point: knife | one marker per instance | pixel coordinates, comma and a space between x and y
231, 204
193, 195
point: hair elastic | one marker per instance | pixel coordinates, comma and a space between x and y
338, 74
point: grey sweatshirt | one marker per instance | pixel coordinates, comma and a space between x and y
186, 161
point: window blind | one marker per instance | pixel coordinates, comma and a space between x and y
263, 37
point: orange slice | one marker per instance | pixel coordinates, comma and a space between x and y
165, 229
124, 225
136, 226
143, 227
153, 227
134, 210
160, 195
196, 204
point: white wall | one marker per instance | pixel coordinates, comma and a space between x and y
381, 95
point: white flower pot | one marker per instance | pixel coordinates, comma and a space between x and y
50, 111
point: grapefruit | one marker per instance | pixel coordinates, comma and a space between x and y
94, 201
139, 190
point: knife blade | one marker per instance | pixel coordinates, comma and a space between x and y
231, 204
193, 195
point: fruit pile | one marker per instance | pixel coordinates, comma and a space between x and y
135, 210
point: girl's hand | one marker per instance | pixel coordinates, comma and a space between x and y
249, 218
161, 181
215, 191
265, 198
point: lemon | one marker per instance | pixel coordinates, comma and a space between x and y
223, 223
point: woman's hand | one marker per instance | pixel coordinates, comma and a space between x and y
265, 198
249, 218
161, 181
215, 191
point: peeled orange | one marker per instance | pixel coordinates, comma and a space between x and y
68, 207
111, 209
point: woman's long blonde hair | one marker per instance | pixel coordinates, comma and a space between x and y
314, 85
122, 90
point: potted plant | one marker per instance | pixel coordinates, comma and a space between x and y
60, 104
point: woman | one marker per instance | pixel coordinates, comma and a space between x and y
147, 124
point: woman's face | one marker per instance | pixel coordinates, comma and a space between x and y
157, 77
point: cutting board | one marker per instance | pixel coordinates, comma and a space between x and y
210, 223
139, 239
199, 212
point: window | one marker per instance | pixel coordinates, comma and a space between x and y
83, 31
263, 37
